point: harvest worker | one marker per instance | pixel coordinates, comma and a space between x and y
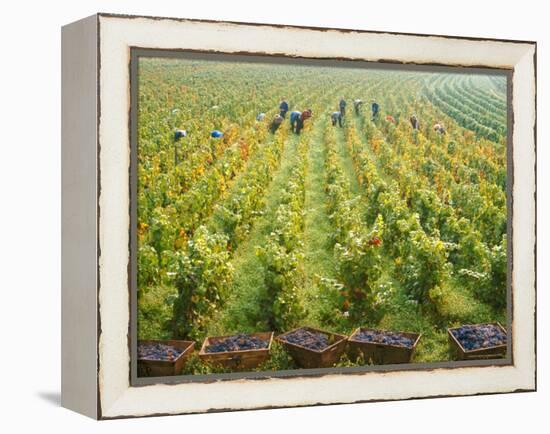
297, 120
390, 118
336, 117
283, 107
439, 128
179, 134
275, 123
357, 105
414, 122
260, 117
342, 106
375, 109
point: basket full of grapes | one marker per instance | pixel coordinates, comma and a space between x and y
313, 348
239, 351
382, 347
159, 358
478, 341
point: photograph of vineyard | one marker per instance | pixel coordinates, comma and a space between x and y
368, 223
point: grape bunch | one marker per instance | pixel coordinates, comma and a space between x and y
309, 339
384, 337
158, 352
473, 337
239, 342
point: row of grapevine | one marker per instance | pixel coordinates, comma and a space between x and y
452, 164
483, 88
282, 252
420, 259
493, 107
480, 199
175, 197
447, 238
490, 117
203, 268
236, 214
203, 271
357, 246
464, 115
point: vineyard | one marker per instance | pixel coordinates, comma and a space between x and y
373, 224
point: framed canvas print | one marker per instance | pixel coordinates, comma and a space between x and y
263, 216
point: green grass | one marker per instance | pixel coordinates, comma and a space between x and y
245, 307
346, 162
459, 306
319, 258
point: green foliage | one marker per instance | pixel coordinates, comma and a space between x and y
148, 266
423, 266
282, 253
489, 123
357, 249
487, 278
203, 275
235, 216
359, 268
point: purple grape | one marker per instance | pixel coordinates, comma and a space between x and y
384, 337
473, 337
239, 342
158, 352
309, 339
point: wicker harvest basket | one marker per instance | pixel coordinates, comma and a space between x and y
161, 368
310, 358
237, 360
460, 353
379, 353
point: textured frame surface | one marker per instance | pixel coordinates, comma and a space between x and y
116, 36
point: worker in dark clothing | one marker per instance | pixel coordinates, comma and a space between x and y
336, 117
275, 123
283, 108
375, 109
297, 120
342, 106
414, 122
439, 128
357, 105
179, 134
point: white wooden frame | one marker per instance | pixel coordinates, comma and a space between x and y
95, 253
